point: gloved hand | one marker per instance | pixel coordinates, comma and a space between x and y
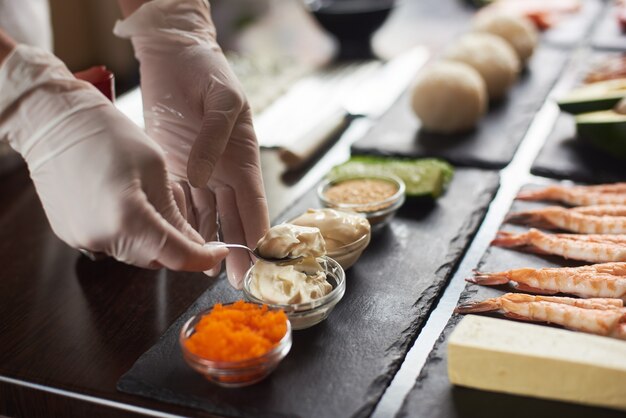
101, 180
195, 108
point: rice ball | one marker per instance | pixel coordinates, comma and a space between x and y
449, 97
518, 31
493, 58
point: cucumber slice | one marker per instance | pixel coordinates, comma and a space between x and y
423, 177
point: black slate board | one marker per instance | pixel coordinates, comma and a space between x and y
492, 144
565, 157
434, 397
607, 33
342, 366
562, 155
440, 21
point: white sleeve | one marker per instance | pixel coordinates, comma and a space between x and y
27, 21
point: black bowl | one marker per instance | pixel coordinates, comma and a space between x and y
352, 22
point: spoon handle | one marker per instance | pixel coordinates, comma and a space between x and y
239, 246
279, 261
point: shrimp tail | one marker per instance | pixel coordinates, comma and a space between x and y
488, 305
528, 218
488, 279
509, 239
523, 241
531, 195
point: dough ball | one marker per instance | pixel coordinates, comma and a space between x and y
518, 31
493, 58
449, 97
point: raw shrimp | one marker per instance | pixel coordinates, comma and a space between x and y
596, 281
605, 194
571, 220
596, 316
592, 248
602, 210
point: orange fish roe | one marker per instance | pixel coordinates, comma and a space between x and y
240, 331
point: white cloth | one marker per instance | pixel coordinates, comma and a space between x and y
27, 22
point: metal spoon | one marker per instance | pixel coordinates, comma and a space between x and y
255, 253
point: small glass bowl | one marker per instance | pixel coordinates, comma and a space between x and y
378, 213
233, 374
305, 315
348, 254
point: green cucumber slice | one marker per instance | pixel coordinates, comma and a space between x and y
423, 177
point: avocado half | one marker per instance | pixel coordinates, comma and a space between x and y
592, 97
604, 130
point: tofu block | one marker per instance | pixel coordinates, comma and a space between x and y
534, 360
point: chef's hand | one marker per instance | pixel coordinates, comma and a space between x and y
195, 108
102, 181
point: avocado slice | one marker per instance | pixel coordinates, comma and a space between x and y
602, 95
604, 130
423, 177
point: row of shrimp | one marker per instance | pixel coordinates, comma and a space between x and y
601, 312
597, 220
601, 316
601, 216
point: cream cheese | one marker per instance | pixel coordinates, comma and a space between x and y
289, 284
287, 240
338, 228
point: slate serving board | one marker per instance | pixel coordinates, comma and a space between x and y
342, 366
492, 144
440, 21
562, 155
565, 157
607, 33
434, 397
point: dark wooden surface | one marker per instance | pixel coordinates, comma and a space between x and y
434, 397
340, 368
70, 323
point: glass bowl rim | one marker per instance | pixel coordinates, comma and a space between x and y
389, 201
347, 248
304, 308
284, 342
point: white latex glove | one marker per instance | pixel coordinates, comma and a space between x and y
195, 108
101, 180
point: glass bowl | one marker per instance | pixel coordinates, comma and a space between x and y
378, 213
348, 254
305, 315
233, 374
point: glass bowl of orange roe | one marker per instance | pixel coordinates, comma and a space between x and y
378, 197
236, 344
